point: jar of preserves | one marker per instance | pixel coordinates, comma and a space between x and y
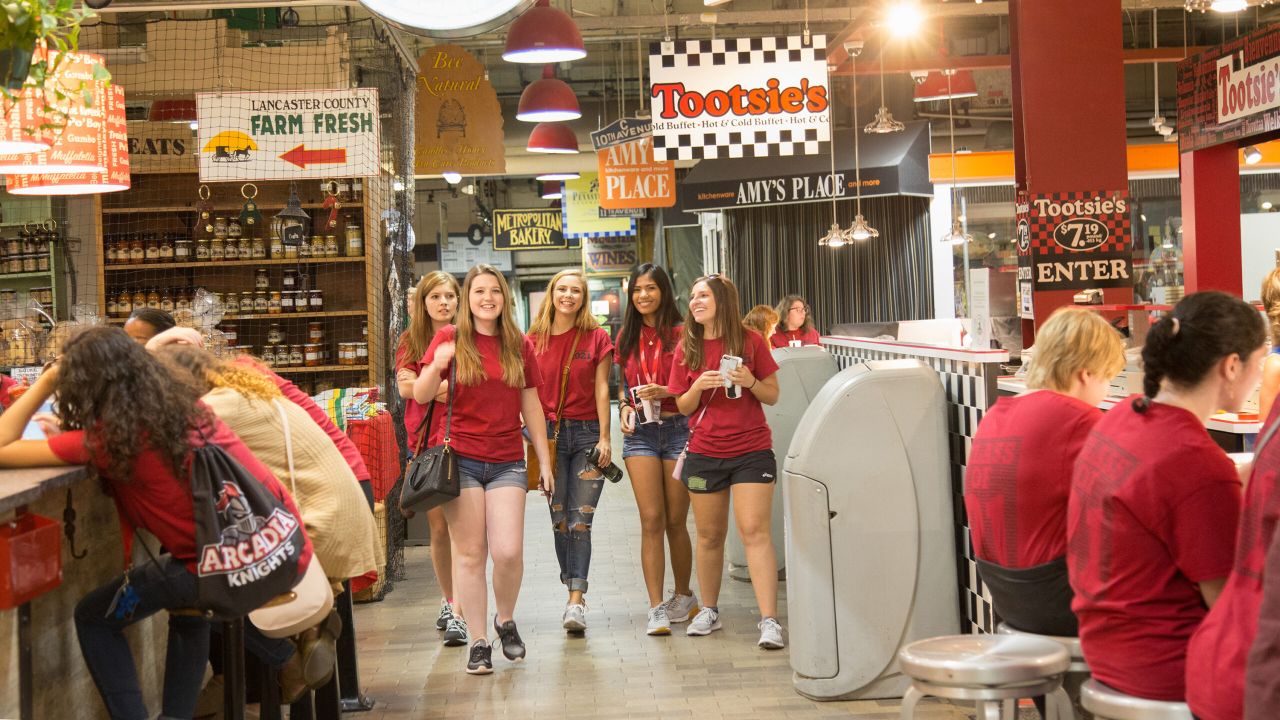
124, 302
217, 249
291, 280
291, 252
315, 332
166, 300
311, 355
153, 298
354, 245
42, 262
362, 353
137, 251
268, 356
275, 335
13, 264
182, 301
113, 307
13, 246
203, 250
287, 299
300, 301
260, 302
304, 249
231, 332
29, 263
112, 253
315, 300
30, 243
317, 246
234, 231
273, 302
166, 248
295, 355
181, 250
139, 298
246, 302
259, 248
244, 248
364, 330
220, 228
330, 246
151, 250
261, 279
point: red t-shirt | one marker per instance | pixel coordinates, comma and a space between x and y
1218, 651
295, 395
161, 503
1154, 509
1019, 476
650, 364
593, 348
415, 412
486, 417
730, 428
783, 338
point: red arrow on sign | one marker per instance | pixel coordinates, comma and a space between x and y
301, 156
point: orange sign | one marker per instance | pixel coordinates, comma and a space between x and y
629, 176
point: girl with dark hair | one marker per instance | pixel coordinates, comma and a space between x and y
574, 356
795, 325
646, 350
730, 447
135, 425
496, 387
145, 323
433, 305
1154, 504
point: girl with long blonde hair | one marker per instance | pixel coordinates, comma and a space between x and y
574, 356
495, 386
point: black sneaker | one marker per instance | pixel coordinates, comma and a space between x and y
481, 660
455, 635
512, 645
446, 614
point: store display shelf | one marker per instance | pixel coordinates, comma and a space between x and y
320, 369
277, 316
233, 263
216, 208
19, 276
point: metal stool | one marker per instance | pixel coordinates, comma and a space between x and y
1072, 645
1110, 704
992, 670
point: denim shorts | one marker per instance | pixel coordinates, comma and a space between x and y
491, 475
663, 441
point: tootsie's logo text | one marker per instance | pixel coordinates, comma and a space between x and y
773, 99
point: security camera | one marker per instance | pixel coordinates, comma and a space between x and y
918, 76
853, 47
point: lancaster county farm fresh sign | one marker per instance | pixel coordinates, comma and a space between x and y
1075, 240
1231, 92
532, 229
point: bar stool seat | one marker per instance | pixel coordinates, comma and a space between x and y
1110, 704
993, 670
1072, 645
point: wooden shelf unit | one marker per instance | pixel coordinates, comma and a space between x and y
232, 263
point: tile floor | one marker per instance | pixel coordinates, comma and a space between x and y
614, 671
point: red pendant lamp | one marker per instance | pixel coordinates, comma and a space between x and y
544, 34
548, 99
936, 86
113, 151
552, 137
75, 147
552, 191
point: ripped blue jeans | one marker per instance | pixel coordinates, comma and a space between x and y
579, 484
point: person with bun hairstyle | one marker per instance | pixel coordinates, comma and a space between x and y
567, 337
1018, 477
145, 323
1155, 503
730, 450
1271, 368
647, 343
796, 325
433, 305
496, 386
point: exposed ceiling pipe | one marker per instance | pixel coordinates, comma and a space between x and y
195, 5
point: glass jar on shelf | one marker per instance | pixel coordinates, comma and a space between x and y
183, 300
244, 247
292, 252
291, 280
354, 239
260, 302
220, 228
30, 242
203, 249
13, 264
137, 251
274, 299
113, 306
315, 332
231, 332
166, 248
317, 246
234, 231
362, 353
261, 279
259, 248
246, 302
182, 250
315, 300
330, 246
166, 300
153, 298
268, 356
275, 335
217, 249
124, 302
111, 254
276, 251
151, 248
42, 262
13, 245
30, 263
295, 355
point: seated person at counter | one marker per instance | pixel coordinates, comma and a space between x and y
1155, 502
1019, 472
127, 417
145, 323
763, 319
1271, 366
795, 327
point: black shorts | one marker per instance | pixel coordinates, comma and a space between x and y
706, 474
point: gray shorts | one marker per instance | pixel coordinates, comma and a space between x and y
491, 475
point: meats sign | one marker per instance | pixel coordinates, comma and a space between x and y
746, 97
1075, 240
1230, 93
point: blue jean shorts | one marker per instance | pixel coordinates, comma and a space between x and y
663, 441
491, 475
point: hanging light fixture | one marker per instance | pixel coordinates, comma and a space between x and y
112, 151
75, 144
544, 34
552, 191
835, 237
293, 220
957, 235
548, 99
859, 230
552, 137
884, 122
1252, 155
447, 18
558, 176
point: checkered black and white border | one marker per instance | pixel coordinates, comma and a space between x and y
717, 144
738, 51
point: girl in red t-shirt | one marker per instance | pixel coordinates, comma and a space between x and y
432, 306
128, 418
1155, 503
566, 336
646, 350
730, 447
497, 380
795, 326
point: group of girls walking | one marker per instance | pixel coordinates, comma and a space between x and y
463, 350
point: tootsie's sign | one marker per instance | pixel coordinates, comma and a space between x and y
1230, 93
533, 229
1076, 240
744, 97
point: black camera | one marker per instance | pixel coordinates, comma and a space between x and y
610, 471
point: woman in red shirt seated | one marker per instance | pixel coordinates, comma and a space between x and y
1018, 477
795, 327
730, 448
496, 387
136, 425
1155, 502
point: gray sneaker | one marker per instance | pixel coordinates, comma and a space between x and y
658, 622
575, 617
705, 622
446, 614
455, 633
771, 635
680, 608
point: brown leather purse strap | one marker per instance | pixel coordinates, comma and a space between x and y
564, 382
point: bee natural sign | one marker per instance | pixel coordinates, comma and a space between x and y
1075, 240
287, 135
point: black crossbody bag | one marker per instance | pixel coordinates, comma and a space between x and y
431, 479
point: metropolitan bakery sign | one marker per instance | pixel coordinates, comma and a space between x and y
1231, 92
1074, 240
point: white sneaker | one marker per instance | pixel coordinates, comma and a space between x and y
680, 608
705, 622
575, 617
658, 622
771, 635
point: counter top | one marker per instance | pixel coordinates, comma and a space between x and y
1222, 422
919, 349
23, 486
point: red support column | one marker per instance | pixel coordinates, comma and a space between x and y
1211, 219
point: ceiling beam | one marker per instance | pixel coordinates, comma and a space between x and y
1133, 56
